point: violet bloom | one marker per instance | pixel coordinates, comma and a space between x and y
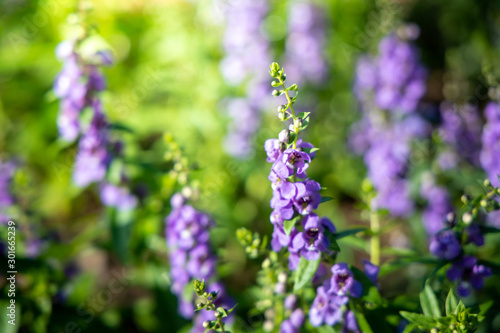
389, 100
326, 309
312, 241
343, 282
461, 128
474, 234
118, 196
307, 197
273, 149
292, 160
350, 323
438, 206
190, 255
7, 170
468, 274
371, 271
490, 151
75, 85
93, 158
305, 43
247, 57
445, 245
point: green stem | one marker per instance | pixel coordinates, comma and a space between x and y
375, 240
290, 105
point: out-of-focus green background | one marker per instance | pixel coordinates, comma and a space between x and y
166, 79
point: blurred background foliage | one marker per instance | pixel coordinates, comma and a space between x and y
167, 79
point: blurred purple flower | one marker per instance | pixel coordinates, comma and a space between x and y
445, 245
468, 274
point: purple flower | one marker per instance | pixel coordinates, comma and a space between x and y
292, 160
119, 197
312, 241
273, 149
307, 197
467, 273
190, 256
371, 271
343, 282
350, 323
7, 170
438, 206
461, 129
305, 43
474, 234
490, 151
93, 157
326, 308
445, 245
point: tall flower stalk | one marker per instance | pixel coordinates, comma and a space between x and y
78, 86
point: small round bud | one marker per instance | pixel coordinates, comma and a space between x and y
280, 288
487, 183
268, 326
483, 203
467, 218
276, 93
284, 136
200, 305
207, 324
282, 108
266, 263
291, 128
218, 314
465, 198
450, 218
282, 277
298, 122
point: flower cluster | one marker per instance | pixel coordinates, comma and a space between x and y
190, 256
438, 205
247, 53
78, 85
305, 43
296, 318
7, 170
490, 151
465, 269
460, 129
295, 197
329, 306
389, 88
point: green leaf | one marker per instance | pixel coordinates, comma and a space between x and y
419, 319
349, 232
429, 302
484, 307
232, 309
362, 322
305, 272
326, 199
334, 245
303, 115
289, 224
451, 302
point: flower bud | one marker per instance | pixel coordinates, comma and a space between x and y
483, 203
218, 314
450, 218
284, 136
266, 263
282, 116
487, 183
467, 218
208, 324
464, 198
276, 92
282, 277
